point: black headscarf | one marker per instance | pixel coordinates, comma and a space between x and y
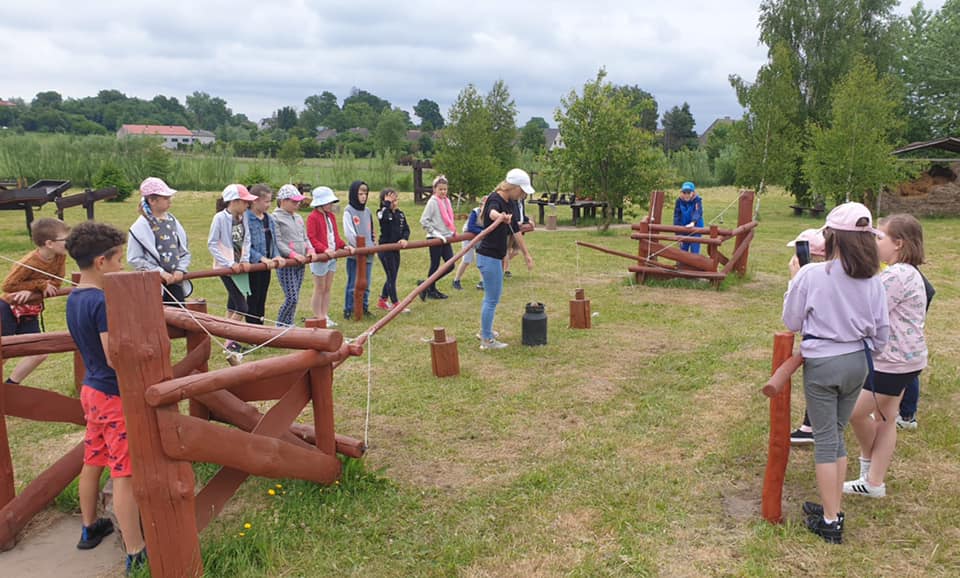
355, 195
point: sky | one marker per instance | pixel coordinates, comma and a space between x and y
260, 56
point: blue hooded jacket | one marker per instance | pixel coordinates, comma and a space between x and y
688, 211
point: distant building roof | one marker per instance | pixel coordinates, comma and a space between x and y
204, 133
720, 121
550, 136
7, 103
364, 132
155, 129
326, 134
950, 144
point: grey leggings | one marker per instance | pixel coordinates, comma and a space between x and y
831, 386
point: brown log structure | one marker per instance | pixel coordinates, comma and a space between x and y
778, 452
658, 241
580, 311
444, 357
361, 282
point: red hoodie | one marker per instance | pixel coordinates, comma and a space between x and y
317, 231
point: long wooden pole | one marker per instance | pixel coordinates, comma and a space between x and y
778, 451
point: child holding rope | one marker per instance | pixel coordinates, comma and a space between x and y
325, 238
840, 308
393, 229
901, 247
157, 241
229, 244
292, 243
39, 271
98, 249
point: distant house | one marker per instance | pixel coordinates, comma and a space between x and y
204, 137
7, 103
719, 122
326, 134
552, 139
173, 136
414, 135
362, 132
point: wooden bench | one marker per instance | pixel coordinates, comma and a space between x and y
818, 211
585, 208
34, 196
85, 199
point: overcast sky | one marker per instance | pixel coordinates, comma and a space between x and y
260, 56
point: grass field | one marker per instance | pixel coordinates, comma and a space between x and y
636, 448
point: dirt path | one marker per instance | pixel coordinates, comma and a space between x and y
50, 552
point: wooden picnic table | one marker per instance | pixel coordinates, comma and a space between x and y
34, 196
587, 208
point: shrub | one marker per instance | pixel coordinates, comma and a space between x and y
110, 175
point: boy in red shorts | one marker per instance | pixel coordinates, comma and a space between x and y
98, 249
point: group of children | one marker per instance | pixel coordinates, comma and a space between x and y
861, 312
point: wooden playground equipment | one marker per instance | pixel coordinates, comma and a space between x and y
658, 241
785, 364
163, 441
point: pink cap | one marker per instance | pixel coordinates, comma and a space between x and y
844, 218
154, 186
236, 191
818, 245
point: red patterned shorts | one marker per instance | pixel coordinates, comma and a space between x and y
105, 443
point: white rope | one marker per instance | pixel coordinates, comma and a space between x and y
34, 269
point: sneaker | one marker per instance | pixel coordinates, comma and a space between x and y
507, 274
831, 533
496, 334
92, 535
480, 286
457, 285
907, 424
382, 304
136, 561
491, 344
331, 323
815, 509
861, 487
801, 437
233, 347
347, 315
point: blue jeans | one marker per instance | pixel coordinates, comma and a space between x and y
352, 283
691, 247
492, 272
911, 395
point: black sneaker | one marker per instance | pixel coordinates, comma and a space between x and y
457, 285
136, 561
438, 295
92, 535
815, 509
801, 437
507, 274
831, 533
348, 315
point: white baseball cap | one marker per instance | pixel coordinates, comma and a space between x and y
520, 178
323, 196
846, 216
237, 191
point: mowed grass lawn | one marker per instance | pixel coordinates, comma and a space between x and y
635, 448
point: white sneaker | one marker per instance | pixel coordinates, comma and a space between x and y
496, 334
492, 344
331, 323
910, 424
861, 487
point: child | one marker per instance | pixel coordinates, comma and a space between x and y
471, 226
522, 223
357, 222
98, 249
39, 271
263, 249
157, 241
688, 212
292, 243
840, 308
907, 419
901, 248
437, 221
229, 244
393, 229
325, 238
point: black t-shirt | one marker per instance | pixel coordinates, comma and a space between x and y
494, 245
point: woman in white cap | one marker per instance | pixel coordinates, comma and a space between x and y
292, 242
437, 221
493, 248
157, 240
325, 238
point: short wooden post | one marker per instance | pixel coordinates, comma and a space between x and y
656, 207
443, 354
164, 487
744, 216
579, 311
643, 248
194, 340
551, 222
321, 392
7, 490
361, 282
314, 323
778, 451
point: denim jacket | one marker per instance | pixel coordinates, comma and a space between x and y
258, 240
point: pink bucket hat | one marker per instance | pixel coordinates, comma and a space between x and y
289, 192
235, 191
153, 186
818, 245
844, 218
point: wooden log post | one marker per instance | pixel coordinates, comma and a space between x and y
361, 282
321, 394
443, 354
579, 311
139, 350
778, 452
79, 370
744, 216
196, 339
643, 248
656, 207
7, 490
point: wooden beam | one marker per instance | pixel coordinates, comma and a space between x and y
319, 339
41, 405
36, 344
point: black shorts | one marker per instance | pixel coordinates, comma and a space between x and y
891, 384
10, 325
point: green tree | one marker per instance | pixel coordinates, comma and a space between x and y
285, 118
503, 123
466, 150
850, 159
643, 103
531, 135
425, 144
931, 71
390, 133
47, 99
606, 155
429, 113
376, 104
678, 130
290, 155
209, 112
768, 139
360, 114
719, 138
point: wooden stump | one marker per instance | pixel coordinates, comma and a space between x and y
579, 311
551, 222
314, 323
443, 354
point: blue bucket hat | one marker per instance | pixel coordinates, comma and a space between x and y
688, 186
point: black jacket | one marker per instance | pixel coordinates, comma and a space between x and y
393, 224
